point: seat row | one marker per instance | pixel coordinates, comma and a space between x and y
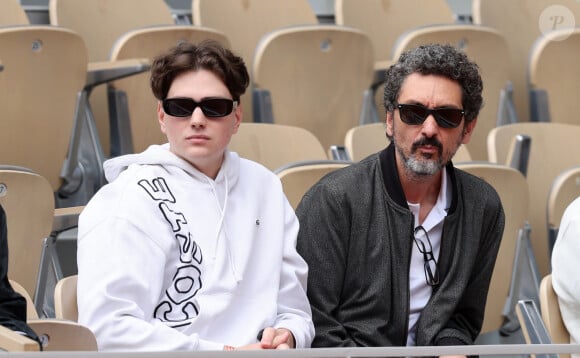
322, 97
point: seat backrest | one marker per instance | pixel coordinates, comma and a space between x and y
553, 68
61, 335
564, 189
364, 140
12, 13
100, 23
513, 191
245, 22
550, 154
274, 145
533, 17
48, 65
384, 21
30, 310
147, 43
296, 180
28, 201
551, 315
489, 49
65, 299
316, 76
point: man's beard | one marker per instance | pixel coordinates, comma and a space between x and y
419, 165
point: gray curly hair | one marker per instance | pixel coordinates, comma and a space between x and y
442, 60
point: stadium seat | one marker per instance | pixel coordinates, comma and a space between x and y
296, 180
384, 22
65, 299
100, 23
56, 334
552, 148
28, 200
245, 22
521, 31
276, 145
11, 341
49, 66
554, 77
513, 191
564, 189
544, 326
12, 13
316, 77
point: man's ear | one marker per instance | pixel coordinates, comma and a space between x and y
161, 116
389, 123
468, 130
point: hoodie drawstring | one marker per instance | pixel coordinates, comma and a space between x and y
220, 226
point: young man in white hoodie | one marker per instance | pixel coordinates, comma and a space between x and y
190, 247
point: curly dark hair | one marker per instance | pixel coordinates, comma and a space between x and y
208, 55
442, 60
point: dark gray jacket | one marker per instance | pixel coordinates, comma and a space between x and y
356, 233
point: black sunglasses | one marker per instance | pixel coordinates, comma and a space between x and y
211, 107
430, 264
416, 114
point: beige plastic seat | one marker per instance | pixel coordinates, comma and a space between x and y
142, 129
65, 299
100, 23
28, 201
316, 76
555, 74
11, 341
245, 22
43, 70
521, 31
275, 145
483, 45
30, 310
364, 140
564, 189
512, 189
59, 335
296, 180
55, 334
12, 13
384, 22
551, 315
552, 151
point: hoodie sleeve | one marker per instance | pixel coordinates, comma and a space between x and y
293, 308
121, 272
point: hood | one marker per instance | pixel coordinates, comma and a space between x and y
161, 155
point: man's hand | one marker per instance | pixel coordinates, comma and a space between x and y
273, 338
277, 338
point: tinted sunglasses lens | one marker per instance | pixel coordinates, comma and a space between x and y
413, 114
448, 117
184, 107
217, 107
179, 107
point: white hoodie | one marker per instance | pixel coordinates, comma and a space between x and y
170, 259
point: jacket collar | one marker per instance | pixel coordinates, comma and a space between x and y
392, 180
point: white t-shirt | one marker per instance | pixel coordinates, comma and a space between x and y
419, 290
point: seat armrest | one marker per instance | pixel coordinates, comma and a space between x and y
14, 342
66, 218
107, 71
533, 327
